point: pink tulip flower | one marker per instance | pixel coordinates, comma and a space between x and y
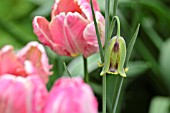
71, 95
71, 30
31, 60
22, 95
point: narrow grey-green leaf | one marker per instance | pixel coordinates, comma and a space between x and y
165, 62
131, 45
97, 32
67, 71
137, 68
75, 67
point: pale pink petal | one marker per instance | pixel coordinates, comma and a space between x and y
60, 6
75, 25
57, 30
39, 94
5, 92
9, 63
67, 33
86, 8
22, 95
41, 29
71, 95
90, 35
34, 57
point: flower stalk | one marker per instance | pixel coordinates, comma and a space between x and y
117, 91
101, 49
86, 76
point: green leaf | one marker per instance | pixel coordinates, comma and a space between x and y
66, 70
152, 34
14, 9
137, 68
131, 45
165, 62
44, 8
160, 105
17, 32
75, 67
6, 39
97, 32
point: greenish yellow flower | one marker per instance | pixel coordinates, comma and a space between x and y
115, 57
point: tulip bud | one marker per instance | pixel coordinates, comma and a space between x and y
71, 95
115, 57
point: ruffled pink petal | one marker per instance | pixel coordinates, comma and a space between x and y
75, 25
57, 29
9, 63
71, 95
40, 94
41, 29
60, 6
34, 57
67, 31
90, 35
86, 8
22, 95
80, 6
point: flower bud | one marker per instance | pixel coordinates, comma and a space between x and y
115, 57
71, 95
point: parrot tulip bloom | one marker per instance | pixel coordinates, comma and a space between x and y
31, 60
22, 95
71, 95
71, 30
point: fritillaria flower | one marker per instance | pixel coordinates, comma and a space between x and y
115, 57
22, 94
30, 60
71, 30
71, 95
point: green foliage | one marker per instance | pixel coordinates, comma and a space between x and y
165, 62
160, 105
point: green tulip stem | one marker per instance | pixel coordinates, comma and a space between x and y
86, 75
101, 56
97, 32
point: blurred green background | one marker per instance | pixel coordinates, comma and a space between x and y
147, 86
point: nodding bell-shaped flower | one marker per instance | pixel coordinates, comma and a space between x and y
115, 57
